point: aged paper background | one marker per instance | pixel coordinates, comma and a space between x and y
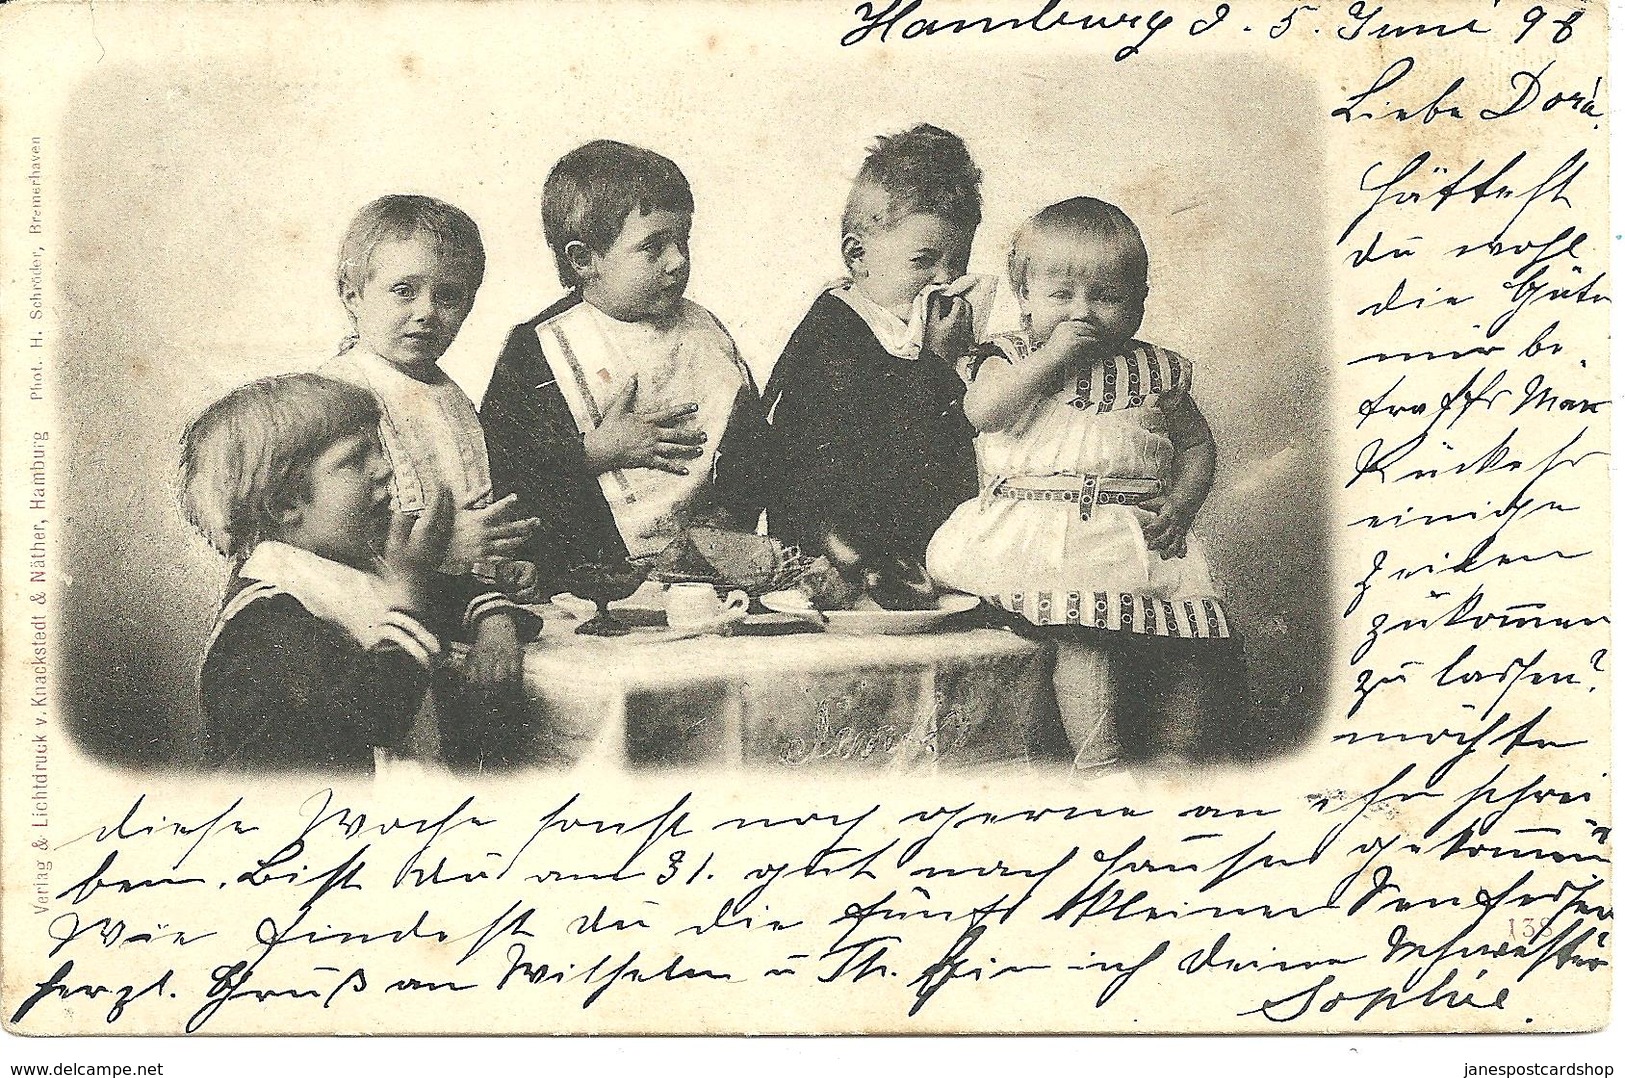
1380, 230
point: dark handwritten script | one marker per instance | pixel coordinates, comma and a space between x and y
666, 909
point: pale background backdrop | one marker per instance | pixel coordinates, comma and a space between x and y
202, 206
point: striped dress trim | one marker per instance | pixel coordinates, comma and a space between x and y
1129, 378
1120, 611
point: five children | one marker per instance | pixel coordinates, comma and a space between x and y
1059, 485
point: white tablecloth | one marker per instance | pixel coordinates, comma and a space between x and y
802, 701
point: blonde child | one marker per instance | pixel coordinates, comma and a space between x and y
1095, 460
408, 271
335, 618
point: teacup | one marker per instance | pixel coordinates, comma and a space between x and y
693, 604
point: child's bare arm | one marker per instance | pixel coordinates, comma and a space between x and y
1174, 509
494, 655
1003, 392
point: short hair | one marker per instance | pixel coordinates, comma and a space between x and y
1078, 218
398, 217
250, 452
922, 170
594, 188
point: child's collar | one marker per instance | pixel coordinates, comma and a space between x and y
340, 594
901, 339
363, 358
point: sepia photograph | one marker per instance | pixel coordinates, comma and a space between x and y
710, 506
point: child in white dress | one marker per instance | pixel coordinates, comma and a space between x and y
1094, 461
408, 272
409, 269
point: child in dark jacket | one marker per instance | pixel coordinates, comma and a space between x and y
612, 414
868, 435
333, 623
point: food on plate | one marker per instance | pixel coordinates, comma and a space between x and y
826, 587
682, 560
844, 577
900, 584
755, 564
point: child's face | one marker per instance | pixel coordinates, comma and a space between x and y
643, 275
412, 304
1098, 284
891, 266
347, 516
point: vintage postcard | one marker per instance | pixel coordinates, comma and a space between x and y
900, 517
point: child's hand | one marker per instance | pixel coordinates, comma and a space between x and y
1165, 522
520, 580
1161, 409
493, 658
489, 532
948, 332
1070, 341
1153, 417
415, 549
1174, 400
652, 439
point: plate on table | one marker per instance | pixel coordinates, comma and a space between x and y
876, 619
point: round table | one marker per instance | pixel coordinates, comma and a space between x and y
789, 700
